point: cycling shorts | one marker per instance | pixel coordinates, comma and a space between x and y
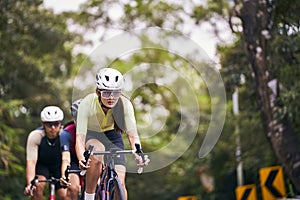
49, 171
110, 139
74, 166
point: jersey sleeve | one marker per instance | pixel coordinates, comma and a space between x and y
33, 141
90, 115
65, 139
83, 115
129, 115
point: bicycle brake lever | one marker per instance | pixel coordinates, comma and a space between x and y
86, 155
67, 173
33, 181
140, 170
140, 153
138, 147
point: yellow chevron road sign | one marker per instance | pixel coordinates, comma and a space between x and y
272, 183
246, 192
187, 198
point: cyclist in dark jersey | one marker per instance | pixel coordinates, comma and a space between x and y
43, 153
69, 157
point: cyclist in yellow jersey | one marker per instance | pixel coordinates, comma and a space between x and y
110, 113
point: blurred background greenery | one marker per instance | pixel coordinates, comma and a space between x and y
39, 60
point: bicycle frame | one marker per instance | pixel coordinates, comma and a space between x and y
109, 175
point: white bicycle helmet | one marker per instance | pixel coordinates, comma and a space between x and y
52, 114
109, 79
74, 108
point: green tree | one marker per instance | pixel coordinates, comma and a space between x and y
35, 62
266, 32
137, 14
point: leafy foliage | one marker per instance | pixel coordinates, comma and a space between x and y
37, 66
34, 64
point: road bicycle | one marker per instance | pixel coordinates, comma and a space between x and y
52, 181
110, 187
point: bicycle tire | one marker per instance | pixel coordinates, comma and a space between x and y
116, 190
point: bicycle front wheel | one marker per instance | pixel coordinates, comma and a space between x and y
116, 190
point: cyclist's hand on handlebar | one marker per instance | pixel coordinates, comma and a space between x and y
83, 165
29, 189
142, 161
64, 182
85, 162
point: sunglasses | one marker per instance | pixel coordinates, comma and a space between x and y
50, 124
107, 94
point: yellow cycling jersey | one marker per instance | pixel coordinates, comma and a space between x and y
92, 117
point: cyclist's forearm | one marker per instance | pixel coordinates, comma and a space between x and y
66, 160
80, 146
133, 138
30, 170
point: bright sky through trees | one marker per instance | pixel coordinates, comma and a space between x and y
200, 35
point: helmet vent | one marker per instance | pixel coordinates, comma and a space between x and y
117, 77
107, 78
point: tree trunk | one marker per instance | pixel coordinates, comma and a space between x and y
255, 20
